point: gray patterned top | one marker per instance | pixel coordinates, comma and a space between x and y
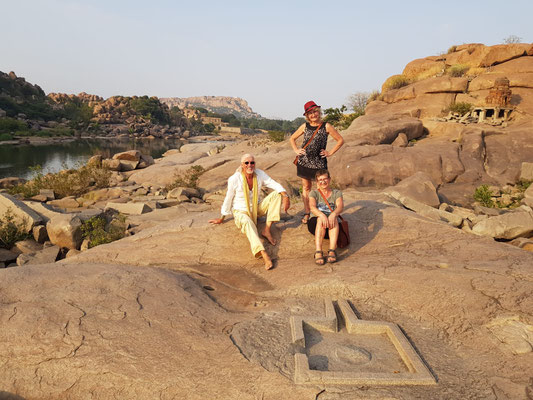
321, 204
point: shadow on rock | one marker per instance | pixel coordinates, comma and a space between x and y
10, 396
364, 223
287, 222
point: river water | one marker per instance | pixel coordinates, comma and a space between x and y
17, 160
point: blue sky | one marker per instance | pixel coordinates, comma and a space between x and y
275, 54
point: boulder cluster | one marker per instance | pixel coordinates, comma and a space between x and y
515, 225
87, 114
116, 116
62, 98
405, 130
467, 73
17, 88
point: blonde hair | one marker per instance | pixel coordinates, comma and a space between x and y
321, 115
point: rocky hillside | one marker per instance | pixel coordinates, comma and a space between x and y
467, 73
25, 110
12, 86
217, 104
412, 127
20, 97
132, 116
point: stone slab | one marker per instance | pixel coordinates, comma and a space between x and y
427, 211
130, 208
20, 211
45, 256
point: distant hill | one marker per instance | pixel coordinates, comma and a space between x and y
217, 104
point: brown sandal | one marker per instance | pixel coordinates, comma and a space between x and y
319, 260
332, 258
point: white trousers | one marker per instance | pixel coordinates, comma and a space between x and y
271, 207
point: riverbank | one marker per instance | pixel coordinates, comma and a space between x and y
40, 140
57, 153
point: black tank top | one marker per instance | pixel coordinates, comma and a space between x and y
312, 158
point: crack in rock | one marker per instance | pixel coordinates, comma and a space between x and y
12, 315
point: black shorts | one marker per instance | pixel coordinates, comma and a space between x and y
311, 226
307, 173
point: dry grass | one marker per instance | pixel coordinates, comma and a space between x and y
11, 231
188, 178
69, 182
457, 70
475, 71
395, 82
452, 49
429, 73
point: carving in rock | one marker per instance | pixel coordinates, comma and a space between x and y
357, 353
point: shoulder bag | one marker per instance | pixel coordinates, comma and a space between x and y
295, 162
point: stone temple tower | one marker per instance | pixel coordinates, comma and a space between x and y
500, 95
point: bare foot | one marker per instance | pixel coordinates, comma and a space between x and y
268, 261
268, 236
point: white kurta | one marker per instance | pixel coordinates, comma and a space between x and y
235, 199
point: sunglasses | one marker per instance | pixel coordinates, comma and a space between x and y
249, 162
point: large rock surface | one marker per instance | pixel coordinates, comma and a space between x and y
181, 309
382, 129
392, 271
478, 55
387, 165
418, 187
183, 294
122, 332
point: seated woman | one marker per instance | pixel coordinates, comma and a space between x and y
325, 224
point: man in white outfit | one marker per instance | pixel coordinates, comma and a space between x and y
242, 199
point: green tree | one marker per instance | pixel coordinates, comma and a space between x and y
209, 127
334, 115
79, 114
149, 107
201, 110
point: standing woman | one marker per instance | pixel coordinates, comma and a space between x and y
312, 156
